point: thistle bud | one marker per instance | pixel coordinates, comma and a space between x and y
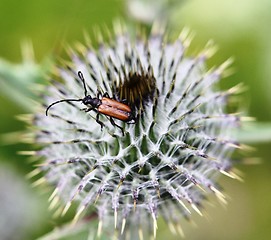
163, 163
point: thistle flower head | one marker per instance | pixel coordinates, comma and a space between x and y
166, 162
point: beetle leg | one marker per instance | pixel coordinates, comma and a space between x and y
124, 101
116, 97
98, 121
106, 95
99, 94
114, 124
87, 109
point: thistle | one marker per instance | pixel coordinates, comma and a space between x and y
163, 165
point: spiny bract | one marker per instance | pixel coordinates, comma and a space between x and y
166, 163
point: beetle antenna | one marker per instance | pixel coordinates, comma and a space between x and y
80, 75
63, 100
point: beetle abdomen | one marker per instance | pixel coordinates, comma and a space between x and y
114, 112
115, 104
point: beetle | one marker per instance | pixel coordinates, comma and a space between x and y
103, 104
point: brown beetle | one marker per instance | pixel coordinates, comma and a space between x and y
103, 105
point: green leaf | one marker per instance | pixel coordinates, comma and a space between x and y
18, 81
80, 230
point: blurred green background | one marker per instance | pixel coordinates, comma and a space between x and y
240, 28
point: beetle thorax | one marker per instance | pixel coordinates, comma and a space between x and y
93, 102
